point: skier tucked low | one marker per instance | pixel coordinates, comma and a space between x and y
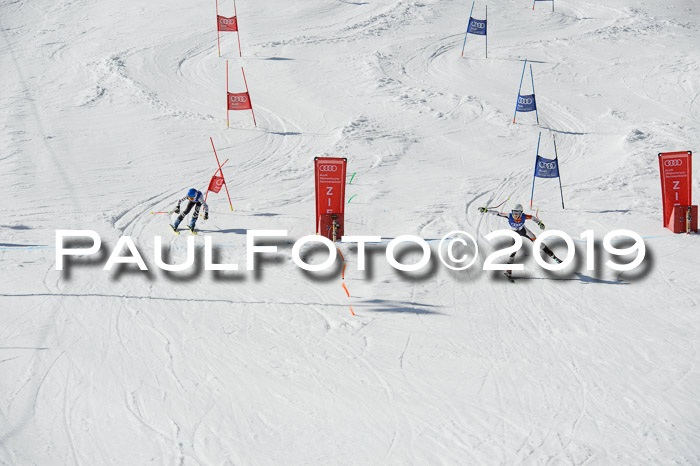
195, 199
516, 220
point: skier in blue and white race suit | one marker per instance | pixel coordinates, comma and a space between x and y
195, 199
516, 220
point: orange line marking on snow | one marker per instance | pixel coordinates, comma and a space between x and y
345, 287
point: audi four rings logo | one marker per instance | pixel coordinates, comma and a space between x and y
547, 165
478, 25
328, 168
239, 98
673, 163
525, 101
228, 21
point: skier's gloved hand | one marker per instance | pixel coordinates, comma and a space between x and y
541, 225
483, 210
177, 210
206, 215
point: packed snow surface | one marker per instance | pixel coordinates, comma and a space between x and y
106, 110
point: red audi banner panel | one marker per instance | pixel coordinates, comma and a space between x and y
239, 101
676, 170
227, 24
330, 196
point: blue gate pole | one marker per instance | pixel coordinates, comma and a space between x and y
468, 23
533, 93
519, 87
537, 157
558, 171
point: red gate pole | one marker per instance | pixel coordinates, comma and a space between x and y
238, 27
249, 99
222, 173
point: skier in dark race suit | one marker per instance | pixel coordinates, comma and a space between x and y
195, 199
516, 220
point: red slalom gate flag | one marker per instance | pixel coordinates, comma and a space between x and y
239, 101
227, 24
215, 179
215, 184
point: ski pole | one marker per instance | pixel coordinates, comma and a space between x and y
499, 205
167, 212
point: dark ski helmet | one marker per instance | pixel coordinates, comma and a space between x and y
192, 194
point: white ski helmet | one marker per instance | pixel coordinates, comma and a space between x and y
517, 209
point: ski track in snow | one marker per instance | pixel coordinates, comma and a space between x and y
107, 112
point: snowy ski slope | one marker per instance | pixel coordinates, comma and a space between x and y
106, 109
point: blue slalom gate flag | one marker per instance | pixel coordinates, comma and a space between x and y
477, 26
526, 103
546, 168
